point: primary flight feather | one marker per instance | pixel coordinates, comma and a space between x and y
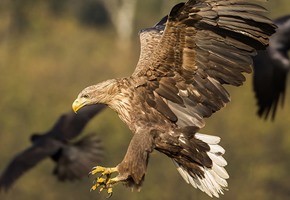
185, 59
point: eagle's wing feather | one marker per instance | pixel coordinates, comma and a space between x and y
203, 45
150, 38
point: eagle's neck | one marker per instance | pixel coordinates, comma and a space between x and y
121, 102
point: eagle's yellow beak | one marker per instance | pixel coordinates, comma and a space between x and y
78, 104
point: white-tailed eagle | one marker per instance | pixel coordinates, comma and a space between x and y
185, 59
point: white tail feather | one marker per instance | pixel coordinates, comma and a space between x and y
209, 139
219, 160
220, 171
214, 180
219, 180
217, 149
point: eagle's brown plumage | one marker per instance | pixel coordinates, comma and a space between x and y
185, 59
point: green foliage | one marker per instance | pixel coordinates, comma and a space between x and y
44, 68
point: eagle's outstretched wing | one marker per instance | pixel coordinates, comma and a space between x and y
204, 45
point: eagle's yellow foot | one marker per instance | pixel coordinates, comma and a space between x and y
103, 170
104, 181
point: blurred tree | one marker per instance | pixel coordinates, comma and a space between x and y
122, 14
18, 16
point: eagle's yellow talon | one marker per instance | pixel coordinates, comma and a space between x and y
110, 190
103, 170
97, 169
104, 181
101, 180
94, 187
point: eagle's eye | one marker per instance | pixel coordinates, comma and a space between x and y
85, 96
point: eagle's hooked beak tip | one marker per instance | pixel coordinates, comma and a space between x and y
76, 105
79, 103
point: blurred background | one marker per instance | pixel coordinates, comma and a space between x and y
50, 50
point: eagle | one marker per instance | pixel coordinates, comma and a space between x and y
185, 61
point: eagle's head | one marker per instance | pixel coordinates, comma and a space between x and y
101, 93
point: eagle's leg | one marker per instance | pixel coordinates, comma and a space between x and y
131, 170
